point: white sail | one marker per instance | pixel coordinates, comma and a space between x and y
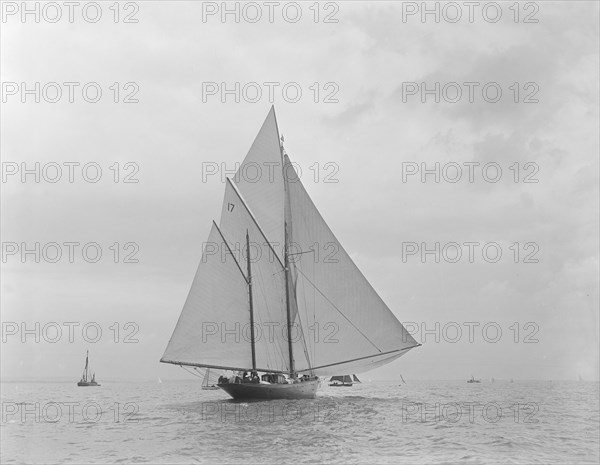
357, 331
260, 180
217, 302
268, 282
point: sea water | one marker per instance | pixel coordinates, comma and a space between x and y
498, 422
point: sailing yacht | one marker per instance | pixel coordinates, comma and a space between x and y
267, 297
86, 381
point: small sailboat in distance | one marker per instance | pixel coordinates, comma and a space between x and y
264, 278
208, 383
86, 381
341, 381
402, 378
473, 380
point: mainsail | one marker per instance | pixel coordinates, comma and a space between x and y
358, 331
265, 263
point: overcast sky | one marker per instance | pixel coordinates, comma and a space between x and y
372, 132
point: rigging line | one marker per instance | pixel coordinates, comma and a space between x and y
339, 311
300, 253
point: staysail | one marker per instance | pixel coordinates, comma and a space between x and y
338, 322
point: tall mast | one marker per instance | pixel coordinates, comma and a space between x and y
286, 262
252, 341
287, 300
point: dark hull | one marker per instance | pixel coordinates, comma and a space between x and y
303, 390
87, 384
340, 385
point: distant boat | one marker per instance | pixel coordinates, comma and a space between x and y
85, 378
403, 382
209, 384
473, 380
275, 213
341, 381
159, 380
